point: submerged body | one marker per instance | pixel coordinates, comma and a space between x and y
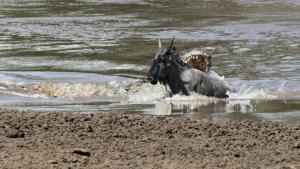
204, 84
184, 80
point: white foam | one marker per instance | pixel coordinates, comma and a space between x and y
68, 90
248, 92
68, 85
81, 90
31, 95
148, 93
193, 97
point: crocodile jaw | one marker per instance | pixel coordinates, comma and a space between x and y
198, 59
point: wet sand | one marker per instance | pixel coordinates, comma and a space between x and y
133, 141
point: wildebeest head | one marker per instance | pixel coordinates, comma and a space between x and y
162, 61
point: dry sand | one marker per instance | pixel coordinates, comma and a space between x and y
132, 141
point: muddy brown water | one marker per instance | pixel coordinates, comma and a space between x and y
82, 55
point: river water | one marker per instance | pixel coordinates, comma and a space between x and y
85, 55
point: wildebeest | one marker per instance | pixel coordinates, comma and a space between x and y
168, 70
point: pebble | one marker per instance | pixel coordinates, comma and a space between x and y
89, 129
83, 152
297, 145
16, 134
237, 155
52, 162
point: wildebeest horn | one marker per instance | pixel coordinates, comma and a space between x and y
159, 44
171, 43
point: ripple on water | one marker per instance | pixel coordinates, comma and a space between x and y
92, 31
77, 64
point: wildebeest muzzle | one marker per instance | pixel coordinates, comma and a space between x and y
153, 71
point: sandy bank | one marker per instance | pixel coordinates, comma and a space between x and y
130, 141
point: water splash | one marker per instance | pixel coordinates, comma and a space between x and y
67, 85
113, 89
239, 101
249, 92
148, 94
126, 92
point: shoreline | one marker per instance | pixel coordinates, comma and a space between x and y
134, 141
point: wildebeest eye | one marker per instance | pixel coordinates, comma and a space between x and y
164, 60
